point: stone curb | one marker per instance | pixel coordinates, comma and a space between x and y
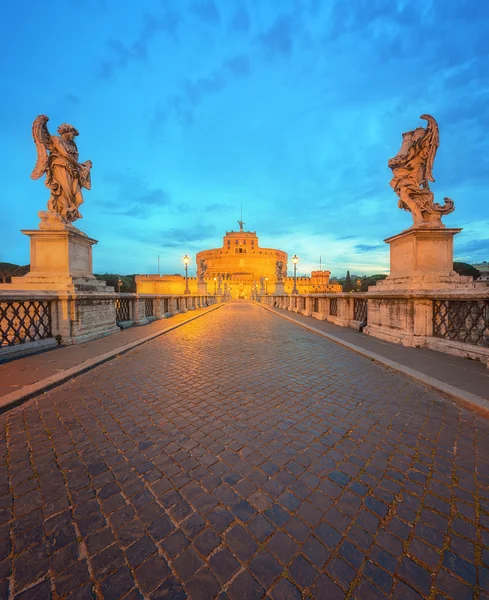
30, 391
459, 396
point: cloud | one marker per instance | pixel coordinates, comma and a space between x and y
72, 99
132, 197
194, 235
240, 21
368, 247
121, 55
239, 65
207, 11
217, 207
183, 104
474, 247
278, 39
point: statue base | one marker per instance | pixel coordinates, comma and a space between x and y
421, 259
61, 260
202, 287
400, 308
279, 288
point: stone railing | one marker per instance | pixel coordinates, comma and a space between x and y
455, 322
35, 320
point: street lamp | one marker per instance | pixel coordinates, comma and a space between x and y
266, 286
295, 260
215, 286
186, 260
119, 285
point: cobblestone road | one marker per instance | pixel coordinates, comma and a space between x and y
243, 457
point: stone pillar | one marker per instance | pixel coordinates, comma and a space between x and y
308, 308
279, 288
158, 307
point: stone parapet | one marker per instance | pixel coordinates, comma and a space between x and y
30, 318
454, 321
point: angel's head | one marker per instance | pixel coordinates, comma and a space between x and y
67, 131
418, 133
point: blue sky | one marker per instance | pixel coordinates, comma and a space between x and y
189, 109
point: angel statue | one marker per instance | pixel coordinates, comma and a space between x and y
412, 170
65, 176
279, 266
202, 270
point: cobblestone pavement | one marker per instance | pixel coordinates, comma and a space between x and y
243, 457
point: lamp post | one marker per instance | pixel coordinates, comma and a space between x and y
215, 286
266, 286
119, 285
186, 260
295, 260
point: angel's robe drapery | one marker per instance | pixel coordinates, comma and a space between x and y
66, 178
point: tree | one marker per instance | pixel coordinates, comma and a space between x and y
466, 269
348, 287
370, 281
112, 279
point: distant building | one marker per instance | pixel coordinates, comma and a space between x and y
484, 270
242, 267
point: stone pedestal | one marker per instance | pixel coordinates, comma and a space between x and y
82, 307
421, 259
400, 308
203, 288
279, 288
61, 260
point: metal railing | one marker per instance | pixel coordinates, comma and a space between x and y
333, 307
24, 321
360, 309
148, 307
464, 321
122, 309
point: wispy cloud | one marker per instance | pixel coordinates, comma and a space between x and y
132, 197
240, 21
122, 54
368, 247
207, 11
278, 38
193, 91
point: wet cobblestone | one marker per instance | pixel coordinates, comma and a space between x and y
243, 457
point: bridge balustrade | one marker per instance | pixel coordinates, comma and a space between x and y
37, 319
452, 322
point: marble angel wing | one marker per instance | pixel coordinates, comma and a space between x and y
42, 139
432, 138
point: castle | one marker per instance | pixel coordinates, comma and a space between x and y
240, 268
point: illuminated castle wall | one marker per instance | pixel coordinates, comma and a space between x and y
238, 265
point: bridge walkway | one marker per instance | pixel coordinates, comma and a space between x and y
243, 457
